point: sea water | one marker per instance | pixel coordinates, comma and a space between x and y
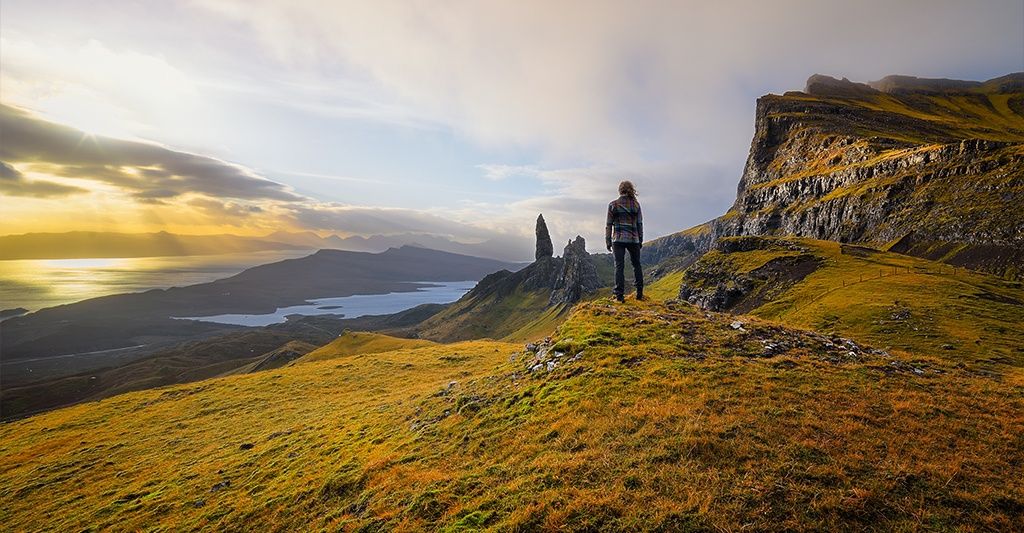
353, 306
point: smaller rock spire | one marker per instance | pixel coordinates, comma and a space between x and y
578, 275
544, 246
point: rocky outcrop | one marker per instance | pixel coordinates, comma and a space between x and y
568, 278
544, 246
578, 276
882, 163
508, 303
716, 284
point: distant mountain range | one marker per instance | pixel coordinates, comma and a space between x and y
88, 244
144, 318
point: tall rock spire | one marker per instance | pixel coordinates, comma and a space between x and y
544, 246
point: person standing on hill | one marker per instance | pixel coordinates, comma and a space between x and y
624, 232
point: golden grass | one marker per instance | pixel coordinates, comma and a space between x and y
360, 342
492, 316
669, 420
958, 314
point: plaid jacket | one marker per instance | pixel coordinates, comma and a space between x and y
625, 221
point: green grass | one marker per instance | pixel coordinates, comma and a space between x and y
959, 314
493, 316
670, 419
360, 342
664, 288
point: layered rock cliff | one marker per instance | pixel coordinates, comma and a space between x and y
933, 168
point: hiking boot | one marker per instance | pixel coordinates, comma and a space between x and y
620, 298
640, 294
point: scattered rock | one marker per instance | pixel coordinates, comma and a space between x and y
246, 446
220, 486
901, 313
737, 325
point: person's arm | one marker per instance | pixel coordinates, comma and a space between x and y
608, 228
640, 224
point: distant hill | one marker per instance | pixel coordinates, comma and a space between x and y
932, 168
33, 388
142, 318
89, 244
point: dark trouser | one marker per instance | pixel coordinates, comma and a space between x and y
619, 251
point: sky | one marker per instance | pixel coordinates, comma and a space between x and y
463, 119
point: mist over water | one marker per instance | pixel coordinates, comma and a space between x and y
38, 283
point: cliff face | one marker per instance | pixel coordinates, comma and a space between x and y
933, 168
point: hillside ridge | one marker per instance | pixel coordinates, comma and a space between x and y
934, 166
641, 416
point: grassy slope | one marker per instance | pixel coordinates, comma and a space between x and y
664, 288
360, 342
516, 316
669, 419
980, 114
962, 315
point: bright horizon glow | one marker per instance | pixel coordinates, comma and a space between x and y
96, 262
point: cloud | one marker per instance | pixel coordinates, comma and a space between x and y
170, 186
114, 92
14, 183
576, 198
594, 91
496, 172
144, 170
573, 96
613, 83
384, 221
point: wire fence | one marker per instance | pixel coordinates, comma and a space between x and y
886, 272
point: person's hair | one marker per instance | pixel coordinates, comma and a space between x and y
627, 188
